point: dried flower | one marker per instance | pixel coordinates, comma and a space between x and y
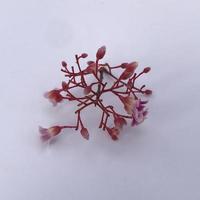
47, 134
54, 96
128, 102
113, 132
139, 113
119, 122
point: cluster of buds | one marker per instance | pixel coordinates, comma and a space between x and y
122, 87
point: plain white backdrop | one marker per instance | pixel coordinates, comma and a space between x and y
157, 160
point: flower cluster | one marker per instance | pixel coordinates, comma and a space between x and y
123, 87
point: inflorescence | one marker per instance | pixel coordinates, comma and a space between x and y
123, 87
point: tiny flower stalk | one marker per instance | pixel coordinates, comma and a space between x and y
122, 87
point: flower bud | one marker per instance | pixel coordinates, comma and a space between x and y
84, 55
64, 64
47, 134
84, 133
119, 122
148, 92
87, 90
129, 70
101, 53
64, 86
147, 69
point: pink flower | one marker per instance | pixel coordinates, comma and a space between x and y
139, 112
85, 133
101, 52
113, 132
54, 96
128, 102
119, 122
49, 133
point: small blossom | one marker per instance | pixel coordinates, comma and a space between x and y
54, 96
113, 132
128, 102
139, 114
119, 122
101, 52
129, 70
85, 133
49, 133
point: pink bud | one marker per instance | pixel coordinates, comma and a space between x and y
84, 133
84, 55
148, 92
64, 86
101, 53
64, 64
119, 122
129, 70
113, 132
87, 90
147, 69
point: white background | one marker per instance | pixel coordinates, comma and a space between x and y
157, 160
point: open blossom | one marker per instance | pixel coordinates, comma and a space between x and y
119, 122
113, 132
54, 96
139, 112
128, 102
49, 133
